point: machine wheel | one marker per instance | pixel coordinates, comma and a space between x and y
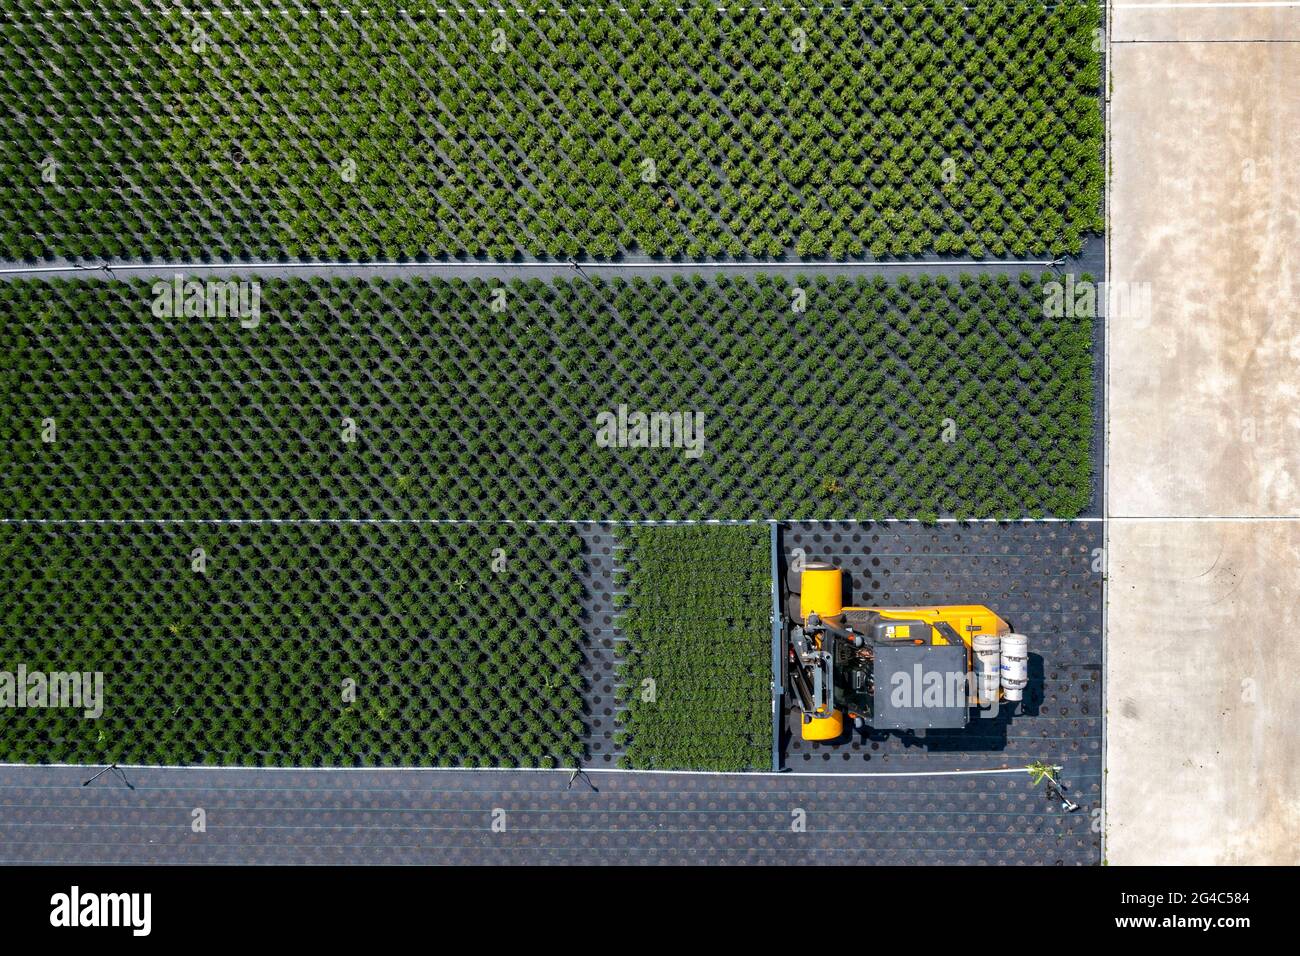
792, 581
792, 608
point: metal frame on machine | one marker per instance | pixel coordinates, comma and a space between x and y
778, 645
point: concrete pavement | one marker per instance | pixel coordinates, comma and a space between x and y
1203, 415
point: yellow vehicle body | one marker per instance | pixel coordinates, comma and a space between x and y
821, 592
967, 620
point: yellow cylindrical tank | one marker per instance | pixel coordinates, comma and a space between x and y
821, 589
823, 728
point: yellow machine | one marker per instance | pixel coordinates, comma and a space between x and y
908, 668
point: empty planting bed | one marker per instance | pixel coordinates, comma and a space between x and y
278, 816
1044, 579
602, 699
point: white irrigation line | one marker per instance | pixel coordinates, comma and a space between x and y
741, 774
689, 522
527, 264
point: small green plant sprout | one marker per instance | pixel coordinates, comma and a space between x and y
831, 487
1039, 771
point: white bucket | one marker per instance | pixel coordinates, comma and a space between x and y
1015, 666
988, 662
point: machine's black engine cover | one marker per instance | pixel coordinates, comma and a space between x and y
919, 686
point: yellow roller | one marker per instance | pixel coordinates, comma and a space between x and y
823, 728
821, 590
